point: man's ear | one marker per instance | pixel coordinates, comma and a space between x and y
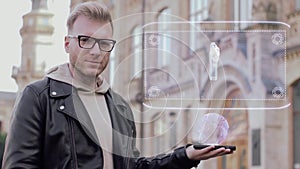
67, 44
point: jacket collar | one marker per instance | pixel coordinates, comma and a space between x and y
59, 89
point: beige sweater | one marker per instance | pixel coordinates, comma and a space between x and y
95, 104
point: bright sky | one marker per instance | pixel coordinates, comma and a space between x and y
10, 44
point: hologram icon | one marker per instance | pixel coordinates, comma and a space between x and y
154, 40
277, 39
278, 92
214, 55
154, 91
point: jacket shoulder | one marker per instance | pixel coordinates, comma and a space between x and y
40, 85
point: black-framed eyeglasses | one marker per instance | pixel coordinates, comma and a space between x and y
87, 42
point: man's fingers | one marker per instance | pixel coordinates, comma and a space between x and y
211, 152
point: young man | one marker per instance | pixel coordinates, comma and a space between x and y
72, 119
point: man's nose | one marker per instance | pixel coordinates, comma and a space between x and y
96, 49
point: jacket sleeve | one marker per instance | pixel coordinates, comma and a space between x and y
23, 143
175, 160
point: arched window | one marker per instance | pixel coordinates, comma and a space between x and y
157, 132
164, 43
198, 10
242, 11
173, 130
136, 51
238, 134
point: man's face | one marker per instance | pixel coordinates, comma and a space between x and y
87, 62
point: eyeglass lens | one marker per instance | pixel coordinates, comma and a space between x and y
89, 42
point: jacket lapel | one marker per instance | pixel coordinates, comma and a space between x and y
121, 115
120, 122
73, 107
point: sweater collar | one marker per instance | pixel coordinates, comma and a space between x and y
62, 73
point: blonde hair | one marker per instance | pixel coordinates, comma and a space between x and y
91, 9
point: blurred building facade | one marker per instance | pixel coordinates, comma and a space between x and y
265, 138
36, 33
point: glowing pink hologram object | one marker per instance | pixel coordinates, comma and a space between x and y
211, 129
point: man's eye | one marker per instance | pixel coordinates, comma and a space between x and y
84, 39
105, 43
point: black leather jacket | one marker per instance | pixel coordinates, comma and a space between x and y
46, 132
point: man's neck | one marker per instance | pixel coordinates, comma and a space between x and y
89, 82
